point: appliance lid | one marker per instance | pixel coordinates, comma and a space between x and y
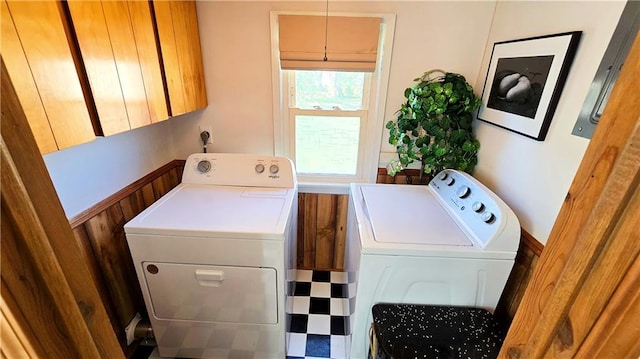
410, 215
205, 211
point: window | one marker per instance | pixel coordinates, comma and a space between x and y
329, 122
328, 110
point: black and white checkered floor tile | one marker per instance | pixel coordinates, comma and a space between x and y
320, 317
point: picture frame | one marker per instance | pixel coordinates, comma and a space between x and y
525, 78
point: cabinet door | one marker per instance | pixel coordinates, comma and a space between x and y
44, 73
109, 53
125, 55
149, 57
177, 24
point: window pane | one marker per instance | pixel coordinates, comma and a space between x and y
327, 89
327, 144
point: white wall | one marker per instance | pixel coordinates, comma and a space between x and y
450, 36
533, 177
86, 174
237, 61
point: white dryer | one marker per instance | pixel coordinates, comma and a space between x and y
214, 257
452, 242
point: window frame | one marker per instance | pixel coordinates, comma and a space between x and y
371, 129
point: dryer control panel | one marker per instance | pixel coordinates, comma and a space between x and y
482, 214
236, 169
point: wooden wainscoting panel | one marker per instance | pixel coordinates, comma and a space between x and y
82, 238
408, 176
165, 183
300, 231
99, 232
342, 206
148, 194
310, 229
325, 230
106, 236
525, 262
322, 226
159, 187
132, 205
175, 176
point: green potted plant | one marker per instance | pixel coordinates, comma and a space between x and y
434, 125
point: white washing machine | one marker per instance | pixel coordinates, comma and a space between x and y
215, 255
452, 242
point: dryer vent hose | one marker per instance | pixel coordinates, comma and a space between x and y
143, 330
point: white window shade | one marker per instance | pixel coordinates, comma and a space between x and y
351, 42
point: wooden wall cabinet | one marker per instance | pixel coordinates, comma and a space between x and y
119, 52
43, 72
177, 24
87, 68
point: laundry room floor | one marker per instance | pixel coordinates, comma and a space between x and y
320, 318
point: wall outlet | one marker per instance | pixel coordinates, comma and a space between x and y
208, 129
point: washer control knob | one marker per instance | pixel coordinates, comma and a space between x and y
463, 192
204, 166
259, 168
274, 169
443, 176
477, 207
488, 217
449, 181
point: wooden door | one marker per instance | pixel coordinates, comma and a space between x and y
49, 300
37, 52
177, 24
583, 298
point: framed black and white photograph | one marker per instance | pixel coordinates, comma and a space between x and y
524, 82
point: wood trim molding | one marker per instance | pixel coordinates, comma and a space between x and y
123, 193
409, 171
406, 176
531, 242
